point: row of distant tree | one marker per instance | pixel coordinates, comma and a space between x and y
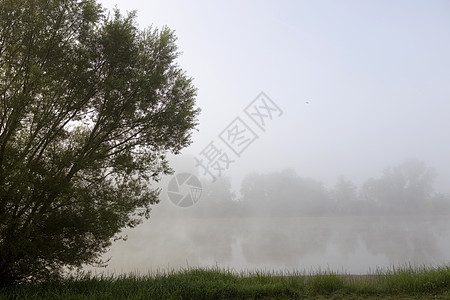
403, 189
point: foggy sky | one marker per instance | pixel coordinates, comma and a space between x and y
375, 74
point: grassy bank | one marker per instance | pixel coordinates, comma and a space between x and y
401, 283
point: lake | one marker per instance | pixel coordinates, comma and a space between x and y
346, 244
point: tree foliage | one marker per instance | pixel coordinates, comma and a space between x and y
404, 189
89, 105
406, 186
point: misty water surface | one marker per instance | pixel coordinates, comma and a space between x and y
352, 244
285, 222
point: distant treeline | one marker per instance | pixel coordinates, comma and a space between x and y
406, 189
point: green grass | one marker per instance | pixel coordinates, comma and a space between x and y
214, 283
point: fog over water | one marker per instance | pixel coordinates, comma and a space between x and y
343, 162
282, 221
335, 243
284, 244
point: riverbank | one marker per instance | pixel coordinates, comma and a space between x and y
214, 283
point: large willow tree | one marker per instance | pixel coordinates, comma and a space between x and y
89, 106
